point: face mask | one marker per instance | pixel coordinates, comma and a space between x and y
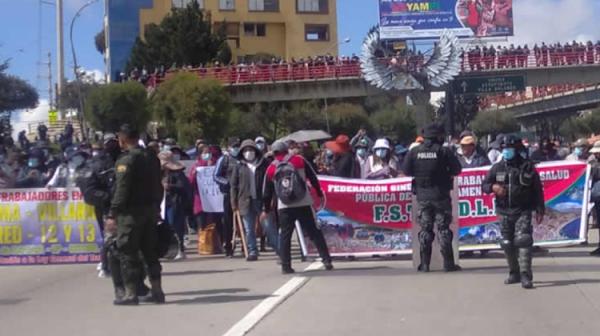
381, 153
33, 163
166, 148
508, 154
234, 151
329, 154
249, 155
578, 151
362, 152
95, 153
260, 146
206, 156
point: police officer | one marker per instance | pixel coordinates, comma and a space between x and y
96, 182
433, 168
134, 213
519, 192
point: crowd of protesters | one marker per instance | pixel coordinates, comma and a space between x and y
532, 93
248, 71
241, 168
502, 57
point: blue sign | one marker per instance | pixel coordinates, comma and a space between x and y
422, 19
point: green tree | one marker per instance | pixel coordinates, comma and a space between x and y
303, 115
397, 123
15, 93
190, 107
345, 118
100, 42
110, 106
184, 37
493, 122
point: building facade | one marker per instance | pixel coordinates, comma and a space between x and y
282, 28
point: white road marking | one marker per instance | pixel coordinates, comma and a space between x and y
269, 304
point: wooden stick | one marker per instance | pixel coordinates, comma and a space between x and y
240, 225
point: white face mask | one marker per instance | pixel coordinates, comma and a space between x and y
249, 155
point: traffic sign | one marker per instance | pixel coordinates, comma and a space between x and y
52, 116
483, 85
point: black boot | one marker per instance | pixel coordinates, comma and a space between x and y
130, 298
328, 265
425, 259
513, 278
526, 281
287, 269
449, 265
158, 295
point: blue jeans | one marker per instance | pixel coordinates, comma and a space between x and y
176, 219
249, 220
270, 229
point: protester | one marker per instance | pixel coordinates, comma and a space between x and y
595, 176
494, 153
261, 144
580, 151
381, 164
343, 164
294, 203
223, 173
361, 138
468, 156
362, 157
209, 156
400, 153
547, 152
246, 196
178, 198
35, 175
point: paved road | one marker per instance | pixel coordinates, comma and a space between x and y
209, 295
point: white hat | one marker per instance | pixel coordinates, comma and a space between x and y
382, 143
596, 148
413, 145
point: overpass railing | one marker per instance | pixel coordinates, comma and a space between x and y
247, 75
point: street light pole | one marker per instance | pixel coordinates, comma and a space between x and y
76, 69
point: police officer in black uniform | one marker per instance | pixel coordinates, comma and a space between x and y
433, 167
519, 192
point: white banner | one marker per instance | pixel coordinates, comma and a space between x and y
210, 194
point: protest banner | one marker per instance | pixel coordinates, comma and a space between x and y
39, 226
210, 194
374, 217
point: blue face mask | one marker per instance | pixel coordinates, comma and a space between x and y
524, 154
381, 153
329, 154
578, 151
33, 163
206, 156
362, 152
508, 154
235, 151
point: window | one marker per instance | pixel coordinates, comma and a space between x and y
232, 29
316, 32
227, 4
263, 5
312, 6
255, 29
185, 3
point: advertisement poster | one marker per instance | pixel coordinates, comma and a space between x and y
39, 226
374, 217
427, 19
210, 194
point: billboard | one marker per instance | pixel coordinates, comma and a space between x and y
423, 19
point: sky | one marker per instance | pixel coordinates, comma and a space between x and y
28, 34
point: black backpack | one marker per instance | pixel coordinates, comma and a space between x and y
290, 187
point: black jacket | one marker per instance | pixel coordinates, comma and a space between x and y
224, 171
524, 191
344, 165
433, 168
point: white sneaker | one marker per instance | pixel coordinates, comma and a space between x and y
102, 274
99, 267
180, 255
